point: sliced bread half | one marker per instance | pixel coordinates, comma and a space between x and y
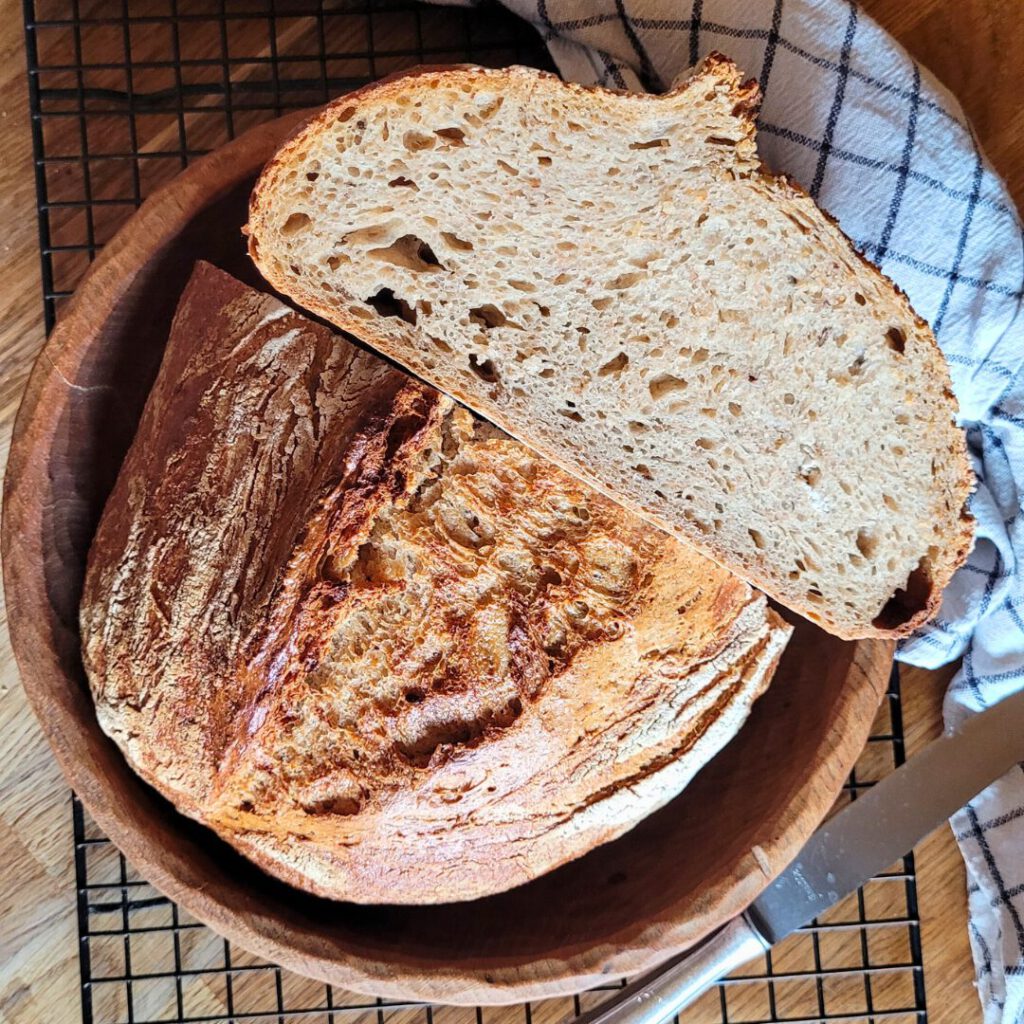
615, 280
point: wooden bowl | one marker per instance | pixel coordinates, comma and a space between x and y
620, 909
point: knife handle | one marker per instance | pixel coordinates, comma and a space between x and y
662, 993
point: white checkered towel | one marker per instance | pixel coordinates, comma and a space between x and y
887, 150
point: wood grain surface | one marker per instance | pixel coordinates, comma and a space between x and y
973, 46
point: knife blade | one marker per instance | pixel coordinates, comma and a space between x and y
855, 844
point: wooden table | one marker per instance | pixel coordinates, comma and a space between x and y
973, 46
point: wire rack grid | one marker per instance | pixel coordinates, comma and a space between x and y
123, 95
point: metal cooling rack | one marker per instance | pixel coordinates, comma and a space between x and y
125, 94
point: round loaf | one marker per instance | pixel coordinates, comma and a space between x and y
381, 648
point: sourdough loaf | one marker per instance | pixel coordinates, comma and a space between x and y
615, 280
384, 650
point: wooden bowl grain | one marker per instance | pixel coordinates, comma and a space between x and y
620, 909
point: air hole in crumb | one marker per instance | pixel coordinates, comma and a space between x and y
484, 370
508, 168
757, 537
403, 182
454, 242
735, 409
523, 286
571, 414
416, 141
867, 543
788, 399
295, 223
643, 471
859, 299
345, 115
665, 384
409, 252
487, 316
489, 105
907, 601
602, 303
456, 136
544, 161
660, 143
624, 281
706, 443
414, 696
896, 340
386, 303
615, 365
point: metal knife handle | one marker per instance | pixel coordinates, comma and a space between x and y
666, 990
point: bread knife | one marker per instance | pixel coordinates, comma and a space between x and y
858, 842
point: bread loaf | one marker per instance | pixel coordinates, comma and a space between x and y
381, 648
616, 281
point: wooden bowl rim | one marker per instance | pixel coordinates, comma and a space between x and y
161, 218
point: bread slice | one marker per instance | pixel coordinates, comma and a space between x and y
386, 651
616, 281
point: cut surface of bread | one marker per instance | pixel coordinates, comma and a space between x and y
616, 281
386, 651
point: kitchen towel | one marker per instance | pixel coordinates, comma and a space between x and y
887, 150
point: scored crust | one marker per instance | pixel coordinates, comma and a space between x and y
386, 651
861, 541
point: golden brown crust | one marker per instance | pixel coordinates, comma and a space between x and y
908, 608
390, 656
203, 456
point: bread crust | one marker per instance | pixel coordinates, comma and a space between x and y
907, 609
283, 487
